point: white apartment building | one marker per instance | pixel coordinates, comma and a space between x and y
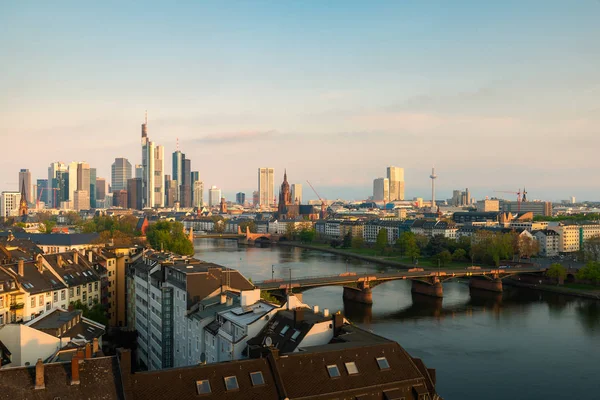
381, 190
9, 204
549, 242
214, 196
297, 193
266, 187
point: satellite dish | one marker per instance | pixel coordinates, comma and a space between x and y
202, 358
268, 341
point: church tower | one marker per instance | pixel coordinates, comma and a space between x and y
23, 208
285, 197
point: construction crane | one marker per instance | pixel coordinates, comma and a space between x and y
54, 190
323, 213
518, 193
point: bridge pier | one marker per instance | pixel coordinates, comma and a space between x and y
361, 294
484, 283
431, 287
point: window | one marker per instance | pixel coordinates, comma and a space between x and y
84, 296
41, 302
203, 386
284, 330
383, 363
96, 286
231, 383
56, 297
296, 334
257, 378
33, 302
1, 301
333, 370
70, 292
89, 287
78, 290
351, 368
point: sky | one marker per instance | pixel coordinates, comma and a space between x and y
495, 95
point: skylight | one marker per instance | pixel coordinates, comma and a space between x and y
231, 383
383, 363
351, 368
284, 330
203, 386
296, 334
333, 370
257, 378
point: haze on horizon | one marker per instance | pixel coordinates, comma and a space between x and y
496, 95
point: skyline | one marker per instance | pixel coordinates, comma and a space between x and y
496, 96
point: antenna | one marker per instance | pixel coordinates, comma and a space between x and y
177, 144
146, 118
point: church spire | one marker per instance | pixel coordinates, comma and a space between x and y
285, 175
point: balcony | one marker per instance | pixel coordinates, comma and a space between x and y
17, 306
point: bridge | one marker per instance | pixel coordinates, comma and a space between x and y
357, 286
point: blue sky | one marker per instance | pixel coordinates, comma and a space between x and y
498, 95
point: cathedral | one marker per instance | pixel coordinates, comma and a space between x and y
285, 198
23, 208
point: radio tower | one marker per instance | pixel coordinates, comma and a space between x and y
433, 177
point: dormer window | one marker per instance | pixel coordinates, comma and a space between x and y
203, 386
333, 370
383, 363
231, 383
351, 368
295, 334
284, 330
257, 378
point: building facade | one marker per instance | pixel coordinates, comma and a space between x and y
266, 187
381, 190
120, 174
395, 177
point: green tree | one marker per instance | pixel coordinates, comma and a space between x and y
444, 257
169, 235
591, 248
95, 313
591, 272
347, 243
437, 244
459, 255
218, 223
407, 244
557, 271
358, 242
307, 235
248, 224
48, 225
382, 240
290, 231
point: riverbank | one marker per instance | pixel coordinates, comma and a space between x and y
588, 294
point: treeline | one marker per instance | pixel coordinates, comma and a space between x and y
169, 235
573, 217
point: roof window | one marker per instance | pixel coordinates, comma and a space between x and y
231, 383
383, 363
284, 330
333, 370
351, 368
257, 378
203, 386
296, 334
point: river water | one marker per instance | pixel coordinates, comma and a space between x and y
522, 344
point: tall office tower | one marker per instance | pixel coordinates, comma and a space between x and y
61, 190
194, 177
433, 177
185, 188
139, 171
153, 165
296, 193
81, 200
120, 174
214, 196
255, 198
266, 187
83, 185
381, 190
198, 194
169, 193
178, 160
25, 179
9, 204
240, 198
42, 191
396, 178
54, 168
92, 187
134, 193
100, 188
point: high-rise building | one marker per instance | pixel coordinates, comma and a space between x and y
214, 196
134, 193
198, 194
195, 177
153, 165
100, 188
81, 200
185, 188
25, 179
9, 204
42, 191
93, 187
240, 198
139, 171
255, 198
178, 160
120, 174
395, 176
266, 187
297, 193
60, 192
53, 170
381, 190
120, 199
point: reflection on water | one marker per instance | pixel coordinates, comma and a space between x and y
517, 344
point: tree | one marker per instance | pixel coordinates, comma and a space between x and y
591, 248
358, 242
557, 271
96, 313
382, 240
48, 225
422, 242
443, 257
307, 235
290, 230
347, 243
459, 255
169, 236
335, 243
407, 244
527, 246
248, 224
218, 223
437, 244
591, 272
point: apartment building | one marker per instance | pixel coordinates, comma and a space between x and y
549, 242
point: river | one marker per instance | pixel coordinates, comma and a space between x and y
522, 344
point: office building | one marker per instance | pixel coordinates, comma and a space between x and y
214, 196
93, 187
9, 204
198, 194
255, 198
240, 198
297, 193
185, 189
42, 191
381, 190
543, 208
120, 174
488, 205
100, 188
178, 161
139, 171
266, 187
53, 180
81, 200
134, 193
194, 177
25, 180
171, 191
153, 166
120, 199
395, 177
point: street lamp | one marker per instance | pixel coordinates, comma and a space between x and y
272, 271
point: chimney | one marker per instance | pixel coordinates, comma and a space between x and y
90, 256
95, 346
76, 257
39, 375
75, 369
21, 268
124, 360
88, 350
59, 261
223, 298
338, 322
316, 309
39, 262
326, 312
80, 353
298, 315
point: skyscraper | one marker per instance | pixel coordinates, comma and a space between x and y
395, 176
266, 187
9, 204
214, 196
153, 166
120, 174
42, 191
240, 198
134, 193
381, 190
53, 170
139, 171
185, 188
198, 194
178, 161
195, 177
100, 188
25, 179
93, 187
297, 193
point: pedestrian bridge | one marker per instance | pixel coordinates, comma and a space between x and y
357, 286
